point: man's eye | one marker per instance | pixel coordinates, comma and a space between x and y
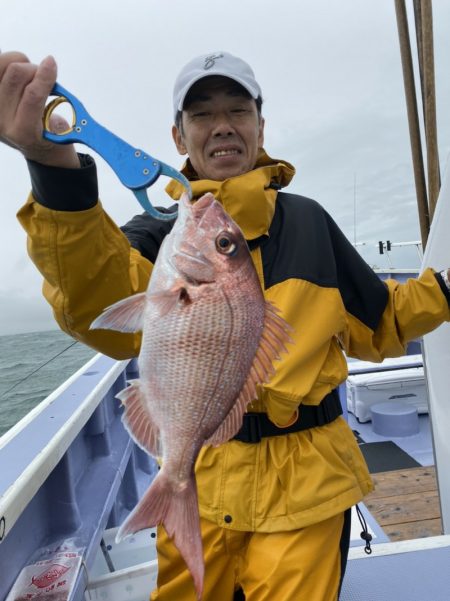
201, 114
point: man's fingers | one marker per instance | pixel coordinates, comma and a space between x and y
24, 89
58, 125
16, 72
30, 109
37, 91
46, 73
15, 78
6, 58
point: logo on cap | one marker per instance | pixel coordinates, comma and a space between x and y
210, 60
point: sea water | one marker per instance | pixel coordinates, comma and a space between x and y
32, 365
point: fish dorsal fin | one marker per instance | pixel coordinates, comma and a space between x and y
272, 343
138, 421
124, 316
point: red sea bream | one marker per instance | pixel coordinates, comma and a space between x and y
209, 339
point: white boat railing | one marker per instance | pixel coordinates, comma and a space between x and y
39, 459
436, 350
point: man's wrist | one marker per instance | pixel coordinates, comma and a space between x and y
445, 276
62, 156
65, 189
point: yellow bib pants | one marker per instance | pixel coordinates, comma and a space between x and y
299, 565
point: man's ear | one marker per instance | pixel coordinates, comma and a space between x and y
261, 132
178, 139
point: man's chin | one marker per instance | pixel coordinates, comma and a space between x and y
226, 173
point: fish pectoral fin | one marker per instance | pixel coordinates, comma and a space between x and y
272, 343
138, 421
124, 316
166, 301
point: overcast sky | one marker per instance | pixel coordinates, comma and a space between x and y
334, 105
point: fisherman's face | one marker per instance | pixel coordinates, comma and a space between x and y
220, 130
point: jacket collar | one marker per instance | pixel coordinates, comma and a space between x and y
248, 198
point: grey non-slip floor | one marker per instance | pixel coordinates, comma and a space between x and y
414, 576
419, 446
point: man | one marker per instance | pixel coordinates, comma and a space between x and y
274, 503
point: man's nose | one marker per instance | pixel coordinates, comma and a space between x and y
222, 125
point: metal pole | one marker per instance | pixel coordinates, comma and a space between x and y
413, 119
418, 22
434, 178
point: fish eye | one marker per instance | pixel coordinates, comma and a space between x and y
225, 244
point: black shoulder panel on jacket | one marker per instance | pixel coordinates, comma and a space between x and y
305, 243
145, 233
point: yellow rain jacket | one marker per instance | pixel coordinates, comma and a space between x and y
323, 289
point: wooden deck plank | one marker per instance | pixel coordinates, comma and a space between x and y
405, 503
405, 508
420, 529
413, 480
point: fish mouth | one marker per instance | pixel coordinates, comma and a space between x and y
198, 218
199, 210
195, 210
201, 207
207, 211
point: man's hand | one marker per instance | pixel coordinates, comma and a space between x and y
24, 89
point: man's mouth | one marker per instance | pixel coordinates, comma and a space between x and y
224, 153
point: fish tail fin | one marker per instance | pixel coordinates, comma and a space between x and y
177, 511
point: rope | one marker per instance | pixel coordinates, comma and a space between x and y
365, 534
37, 369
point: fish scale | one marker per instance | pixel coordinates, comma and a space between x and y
208, 333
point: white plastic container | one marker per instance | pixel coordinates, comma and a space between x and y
135, 565
405, 385
355, 366
130, 584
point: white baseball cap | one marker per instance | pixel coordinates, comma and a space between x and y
214, 63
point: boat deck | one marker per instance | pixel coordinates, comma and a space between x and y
405, 503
